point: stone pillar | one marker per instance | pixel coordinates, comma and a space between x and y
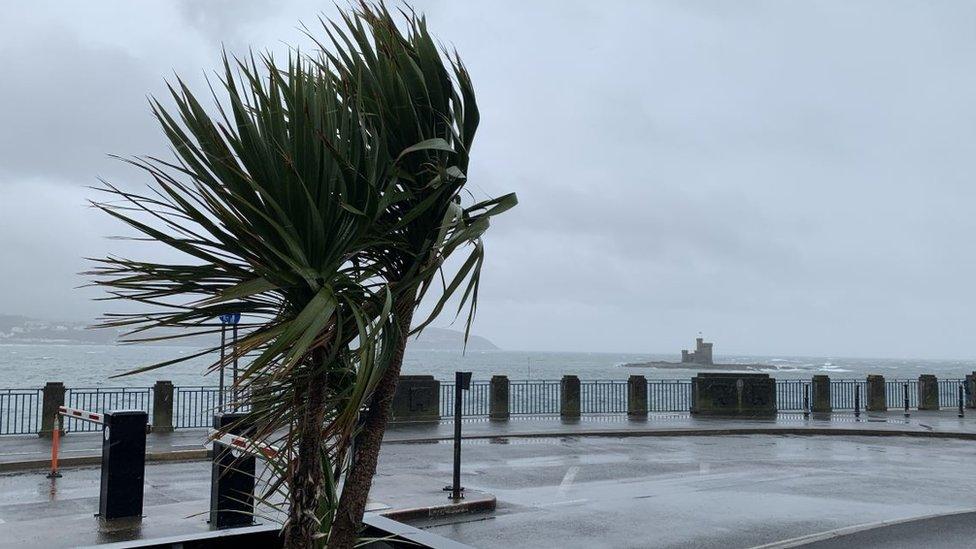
637, 396
971, 390
569, 397
877, 397
52, 399
417, 398
162, 418
498, 398
820, 387
928, 392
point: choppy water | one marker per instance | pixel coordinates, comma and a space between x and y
23, 366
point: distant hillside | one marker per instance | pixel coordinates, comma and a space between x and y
442, 339
21, 329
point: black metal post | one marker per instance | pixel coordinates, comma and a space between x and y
456, 485
962, 402
223, 342
234, 343
857, 400
906, 400
123, 464
462, 382
806, 401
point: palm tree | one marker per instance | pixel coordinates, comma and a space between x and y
321, 201
423, 104
274, 201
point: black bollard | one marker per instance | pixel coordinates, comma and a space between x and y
962, 402
123, 464
462, 382
231, 477
857, 400
906, 400
806, 401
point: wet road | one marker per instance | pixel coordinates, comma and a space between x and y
720, 492
572, 491
946, 532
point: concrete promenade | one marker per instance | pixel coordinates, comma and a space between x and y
30, 451
668, 481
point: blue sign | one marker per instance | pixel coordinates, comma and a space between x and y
230, 318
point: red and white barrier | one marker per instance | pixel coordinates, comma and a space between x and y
82, 414
76, 413
244, 444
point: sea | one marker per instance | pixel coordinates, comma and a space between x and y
81, 366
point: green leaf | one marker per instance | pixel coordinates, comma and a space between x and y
434, 144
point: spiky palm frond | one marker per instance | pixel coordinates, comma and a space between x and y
423, 103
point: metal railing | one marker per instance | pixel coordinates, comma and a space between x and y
101, 400
895, 393
20, 411
668, 395
603, 397
949, 392
533, 397
843, 393
792, 394
193, 407
474, 402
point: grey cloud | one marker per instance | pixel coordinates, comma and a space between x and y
788, 177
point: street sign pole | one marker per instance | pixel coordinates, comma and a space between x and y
225, 319
235, 361
220, 385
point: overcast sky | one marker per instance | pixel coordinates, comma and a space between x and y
785, 177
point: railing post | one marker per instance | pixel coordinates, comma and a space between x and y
877, 396
806, 400
569, 397
498, 396
821, 394
906, 400
962, 402
971, 390
637, 396
857, 399
162, 407
928, 392
52, 398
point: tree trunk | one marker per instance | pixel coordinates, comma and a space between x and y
355, 490
305, 484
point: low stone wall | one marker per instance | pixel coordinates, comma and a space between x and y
417, 399
728, 394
